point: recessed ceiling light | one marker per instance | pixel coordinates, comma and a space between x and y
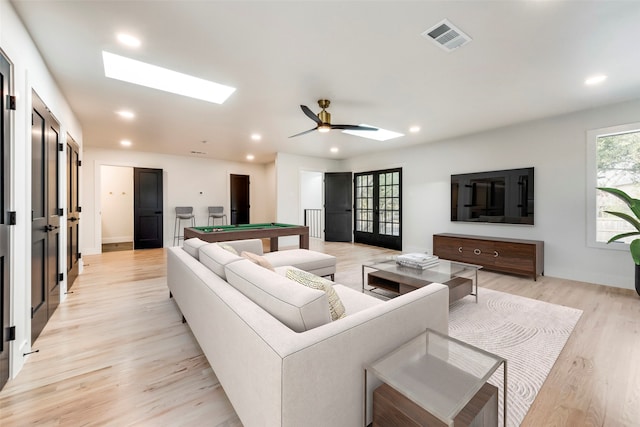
126, 114
594, 80
140, 73
250, 157
414, 129
256, 136
378, 135
125, 143
334, 149
128, 40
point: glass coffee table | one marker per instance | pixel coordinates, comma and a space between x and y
439, 375
387, 274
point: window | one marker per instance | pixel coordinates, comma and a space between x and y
614, 161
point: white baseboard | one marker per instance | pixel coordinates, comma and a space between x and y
117, 239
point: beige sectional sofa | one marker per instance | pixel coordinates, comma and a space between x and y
273, 346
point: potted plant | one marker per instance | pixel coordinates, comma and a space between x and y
634, 247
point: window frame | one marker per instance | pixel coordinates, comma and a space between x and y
592, 183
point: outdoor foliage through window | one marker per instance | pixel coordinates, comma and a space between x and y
618, 166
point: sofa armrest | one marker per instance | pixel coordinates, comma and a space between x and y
323, 371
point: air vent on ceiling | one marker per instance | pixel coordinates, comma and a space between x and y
446, 35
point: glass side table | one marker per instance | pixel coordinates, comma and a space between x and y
439, 374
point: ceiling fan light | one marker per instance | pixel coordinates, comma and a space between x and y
324, 128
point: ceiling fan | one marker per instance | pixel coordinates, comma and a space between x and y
323, 119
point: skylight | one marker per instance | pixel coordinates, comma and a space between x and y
140, 73
378, 135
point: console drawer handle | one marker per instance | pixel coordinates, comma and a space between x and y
495, 254
477, 251
460, 249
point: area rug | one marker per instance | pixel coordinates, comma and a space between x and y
529, 333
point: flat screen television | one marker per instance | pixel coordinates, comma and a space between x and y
504, 197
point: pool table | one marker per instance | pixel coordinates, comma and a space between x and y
273, 230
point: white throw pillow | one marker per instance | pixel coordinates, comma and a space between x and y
315, 282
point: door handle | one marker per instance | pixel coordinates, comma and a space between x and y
50, 227
73, 219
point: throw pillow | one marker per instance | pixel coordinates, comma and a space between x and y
257, 259
311, 280
228, 247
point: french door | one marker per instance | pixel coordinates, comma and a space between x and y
45, 216
378, 208
5, 185
73, 211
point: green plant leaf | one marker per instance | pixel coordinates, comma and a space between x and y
635, 251
631, 220
623, 235
634, 204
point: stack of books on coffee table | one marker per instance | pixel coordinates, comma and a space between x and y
417, 260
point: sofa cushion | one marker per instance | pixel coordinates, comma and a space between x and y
296, 306
304, 259
257, 259
192, 246
315, 282
228, 247
249, 245
355, 301
214, 257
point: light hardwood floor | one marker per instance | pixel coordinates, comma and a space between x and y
116, 353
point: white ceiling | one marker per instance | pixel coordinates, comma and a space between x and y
528, 59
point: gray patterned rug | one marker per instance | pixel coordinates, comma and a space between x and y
530, 334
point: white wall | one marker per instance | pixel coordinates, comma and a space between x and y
29, 72
556, 148
188, 181
116, 199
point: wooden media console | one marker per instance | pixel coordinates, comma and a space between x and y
525, 257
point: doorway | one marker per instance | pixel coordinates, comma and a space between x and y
132, 209
240, 207
45, 215
116, 200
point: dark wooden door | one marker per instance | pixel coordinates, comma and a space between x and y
337, 207
147, 208
240, 206
45, 224
5, 176
73, 211
378, 208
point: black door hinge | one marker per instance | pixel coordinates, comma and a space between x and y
60, 277
32, 311
11, 102
79, 162
79, 255
12, 333
60, 211
79, 209
60, 147
11, 218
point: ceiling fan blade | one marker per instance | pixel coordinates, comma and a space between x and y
352, 127
302, 133
310, 114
